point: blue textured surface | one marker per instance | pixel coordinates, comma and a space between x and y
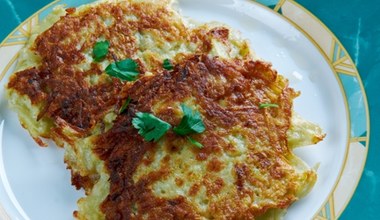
355, 23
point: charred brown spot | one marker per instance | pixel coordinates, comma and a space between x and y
213, 185
85, 182
214, 165
149, 157
179, 182
194, 189
241, 173
30, 82
220, 33
276, 172
70, 10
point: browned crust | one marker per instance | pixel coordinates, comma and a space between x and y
68, 98
60, 87
123, 149
79, 181
29, 82
215, 165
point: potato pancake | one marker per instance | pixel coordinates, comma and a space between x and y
245, 166
240, 166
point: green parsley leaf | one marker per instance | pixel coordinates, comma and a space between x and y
125, 70
268, 105
100, 50
191, 122
125, 105
194, 142
167, 64
149, 126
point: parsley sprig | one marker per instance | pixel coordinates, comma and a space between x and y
167, 64
153, 128
100, 50
191, 122
194, 142
125, 105
125, 69
149, 126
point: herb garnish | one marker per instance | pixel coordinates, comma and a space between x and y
125, 105
100, 50
191, 122
194, 142
149, 126
153, 128
167, 64
268, 105
125, 69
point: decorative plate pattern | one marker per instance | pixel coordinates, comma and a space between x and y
356, 101
329, 46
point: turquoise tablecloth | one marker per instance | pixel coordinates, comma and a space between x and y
356, 24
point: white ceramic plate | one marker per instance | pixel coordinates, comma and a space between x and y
36, 185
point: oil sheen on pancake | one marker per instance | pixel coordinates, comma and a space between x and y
245, 169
